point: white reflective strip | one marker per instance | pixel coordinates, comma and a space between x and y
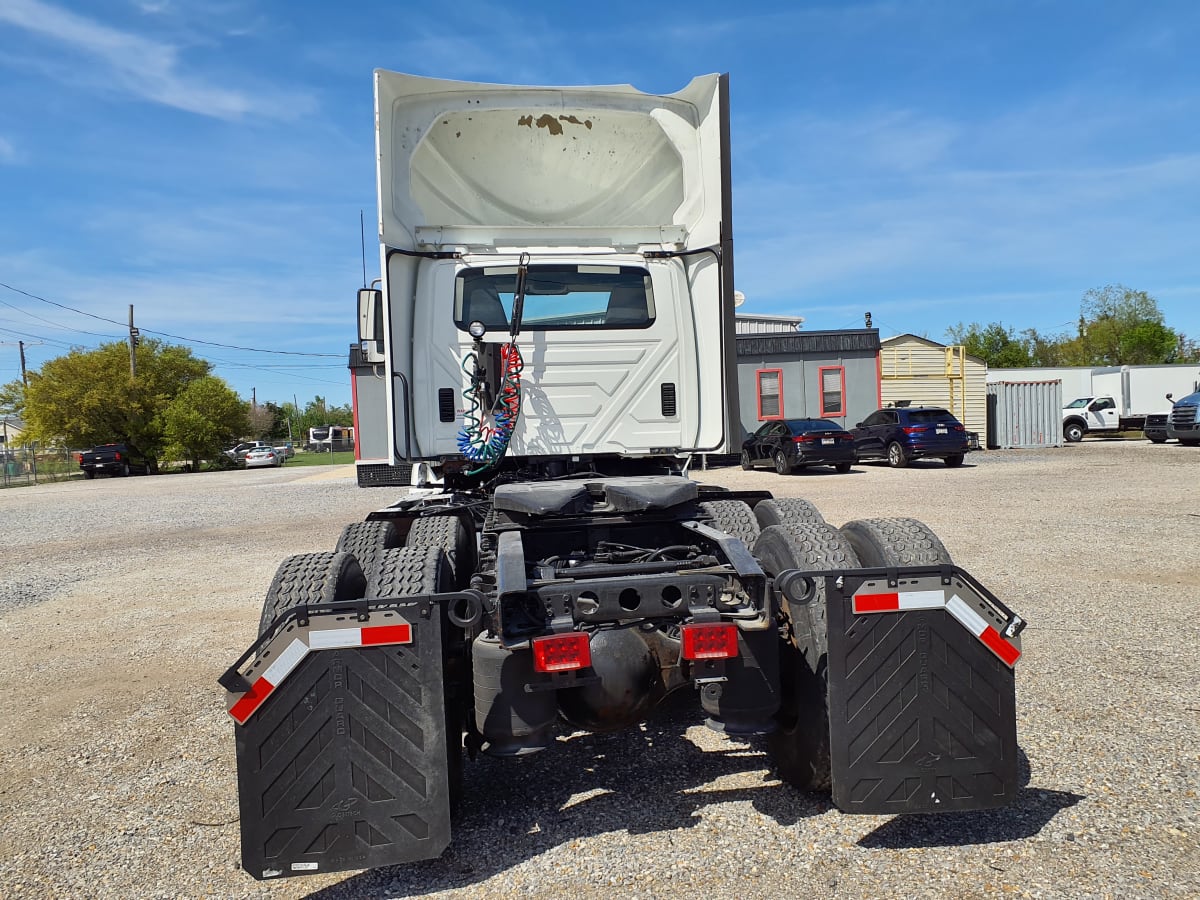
285, 662
958, 608
923, 600
335, 638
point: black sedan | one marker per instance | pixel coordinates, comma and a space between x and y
789, 444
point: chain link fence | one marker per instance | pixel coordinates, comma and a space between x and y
30, 464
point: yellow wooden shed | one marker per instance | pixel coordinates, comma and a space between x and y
926, 373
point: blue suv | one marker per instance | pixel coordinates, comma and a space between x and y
906, 433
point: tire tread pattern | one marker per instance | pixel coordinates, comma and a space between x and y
733, 517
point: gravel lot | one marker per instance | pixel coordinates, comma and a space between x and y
123, 599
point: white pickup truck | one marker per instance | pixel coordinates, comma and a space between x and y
1086, 414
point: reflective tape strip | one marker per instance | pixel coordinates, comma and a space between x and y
903, 601
899, 601
337, 638
268, 681
970, 619
285, 662
293, 655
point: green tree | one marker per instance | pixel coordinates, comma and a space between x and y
995, 344
88, 397
201, 419
12, 399
1119, 326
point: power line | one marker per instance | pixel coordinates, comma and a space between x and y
151, 330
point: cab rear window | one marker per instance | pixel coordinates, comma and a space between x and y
557, 298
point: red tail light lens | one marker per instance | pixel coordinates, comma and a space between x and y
561, 652
959, 428
803, 439
117, 455
709, 640
913, 429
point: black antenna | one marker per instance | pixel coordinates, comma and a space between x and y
362, 232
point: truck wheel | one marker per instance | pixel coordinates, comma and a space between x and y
842, 468
88, 473
406, 571
800, 744
786, 511
896, 456
895, 542
782, 466
746, 464
447, 533
1074, 432
732, 517
309, 579
124, 470
1158, 440
366, 541
954, 460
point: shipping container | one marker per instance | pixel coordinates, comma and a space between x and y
1024, 415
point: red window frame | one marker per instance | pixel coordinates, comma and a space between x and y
758, 374
841, 370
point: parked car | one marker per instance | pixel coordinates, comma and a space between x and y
789, 444
904, 433
239, 453
261, 457
112, 459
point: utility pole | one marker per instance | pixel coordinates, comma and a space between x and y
133, 342
254, 398
24, 378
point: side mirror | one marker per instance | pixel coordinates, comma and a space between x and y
858, 425
370, 324
1169, 395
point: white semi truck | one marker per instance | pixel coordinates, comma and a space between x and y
555, 323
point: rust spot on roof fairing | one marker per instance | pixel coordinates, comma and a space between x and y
548, 122
552, 124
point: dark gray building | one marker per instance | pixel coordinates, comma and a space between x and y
808, 374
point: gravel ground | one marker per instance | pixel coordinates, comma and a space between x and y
124, 599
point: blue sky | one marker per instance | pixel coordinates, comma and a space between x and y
931, 162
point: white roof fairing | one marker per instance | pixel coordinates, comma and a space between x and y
497, 165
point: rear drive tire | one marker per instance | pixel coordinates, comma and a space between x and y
366, 541
954, 460
1157, 440
895, 542
842, 468
896, 457
800, 745
782, 466
447, 533
88, 473
312, 579
786, 511
747, 465
732, 517
124, 470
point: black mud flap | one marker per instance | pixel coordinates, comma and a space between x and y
922, 711
343, 764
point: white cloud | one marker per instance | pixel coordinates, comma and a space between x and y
8, 153
143, 67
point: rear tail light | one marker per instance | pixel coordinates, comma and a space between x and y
561, 652
117, 456
959, 428
803, 439
79, 457
709, 640
913, 429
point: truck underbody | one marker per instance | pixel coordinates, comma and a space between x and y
491, 620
